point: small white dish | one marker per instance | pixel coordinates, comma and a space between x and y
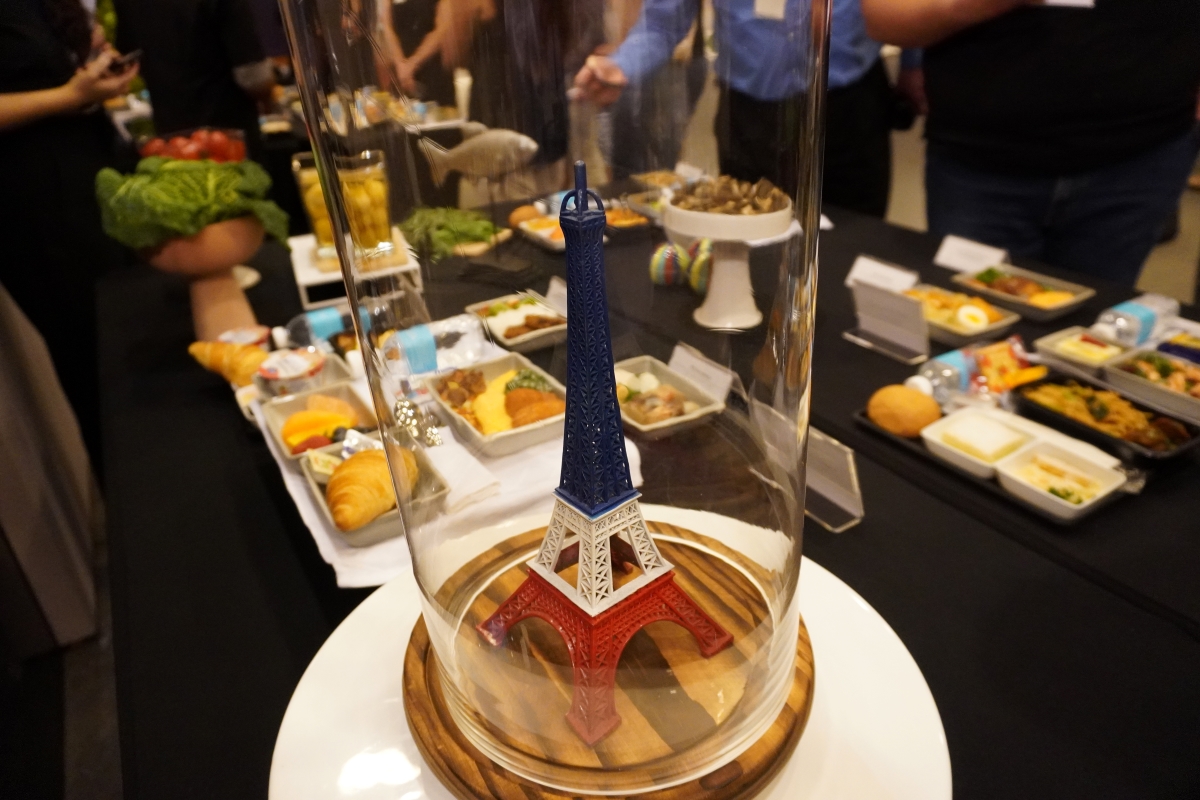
505, 442
429, 496
1160, 398
932, 435
525, 343
1008, 473
1047, 348
708, 405
277, 411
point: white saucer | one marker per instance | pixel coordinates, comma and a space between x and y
874, 731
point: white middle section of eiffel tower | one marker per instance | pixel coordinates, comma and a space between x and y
594, 591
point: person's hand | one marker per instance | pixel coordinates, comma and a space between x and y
910, 83
405, 77
600, 81
92, 83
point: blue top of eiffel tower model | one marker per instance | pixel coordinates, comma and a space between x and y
595, 468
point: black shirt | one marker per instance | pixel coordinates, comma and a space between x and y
190, 48
1056, 91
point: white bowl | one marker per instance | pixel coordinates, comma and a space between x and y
534, 340
709, 405
685, 224
505, 442
1110, 480
932, 435
1046, 348
277, 411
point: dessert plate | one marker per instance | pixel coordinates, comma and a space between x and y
874, 732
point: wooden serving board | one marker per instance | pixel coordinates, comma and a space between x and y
669, 697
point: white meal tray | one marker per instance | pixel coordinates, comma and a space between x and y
534, 340
1051, 357
931, 434
953, 337
505, 442
429, 496
1028, 310
709, 405
276, 412
1176, 404
1109, 478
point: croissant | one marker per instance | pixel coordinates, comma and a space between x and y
236, 363
360, 488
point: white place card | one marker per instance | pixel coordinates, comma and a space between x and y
556, 295
881, 274
891, 316
702, 371
966, 255
1070, 3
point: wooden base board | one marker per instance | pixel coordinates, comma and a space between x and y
470, 775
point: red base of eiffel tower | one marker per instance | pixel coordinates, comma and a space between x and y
595, 643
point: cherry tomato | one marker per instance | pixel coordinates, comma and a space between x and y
201, 136
218, 146
154, 147
190, 152
237, 150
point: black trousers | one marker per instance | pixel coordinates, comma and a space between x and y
858, 151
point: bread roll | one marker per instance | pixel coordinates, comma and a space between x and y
902, 411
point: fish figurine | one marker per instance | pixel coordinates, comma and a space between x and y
490, 154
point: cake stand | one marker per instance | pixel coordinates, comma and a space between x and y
729, 304
873, 732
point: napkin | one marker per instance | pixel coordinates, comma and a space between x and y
469, 480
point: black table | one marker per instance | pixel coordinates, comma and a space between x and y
1057, 673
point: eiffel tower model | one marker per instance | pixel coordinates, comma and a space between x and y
597, 520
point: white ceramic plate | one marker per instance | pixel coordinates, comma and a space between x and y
874, 732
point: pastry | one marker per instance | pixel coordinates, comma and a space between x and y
236, 363
360, 488
902, 411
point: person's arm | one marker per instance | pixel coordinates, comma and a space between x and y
91, 84
920, 23
649, 45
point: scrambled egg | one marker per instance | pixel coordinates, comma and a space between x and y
489, 406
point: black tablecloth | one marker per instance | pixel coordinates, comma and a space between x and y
1064, 676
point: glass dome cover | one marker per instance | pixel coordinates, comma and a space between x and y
608, 570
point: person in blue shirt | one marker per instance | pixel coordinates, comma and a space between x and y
760, 68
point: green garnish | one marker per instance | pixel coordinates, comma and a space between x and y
1097, 408
443, 228
1070, 495
528, 379
989, 275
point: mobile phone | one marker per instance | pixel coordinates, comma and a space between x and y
119, 63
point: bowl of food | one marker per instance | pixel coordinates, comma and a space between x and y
501, 406
957, 319
1060, 482
726, 209
359, 487
1104, 417
1037, 297
316, 419
657, 401
974, 442
521, 322
1079, 348
1170, 383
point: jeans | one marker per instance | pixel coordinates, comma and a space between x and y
1102, 223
